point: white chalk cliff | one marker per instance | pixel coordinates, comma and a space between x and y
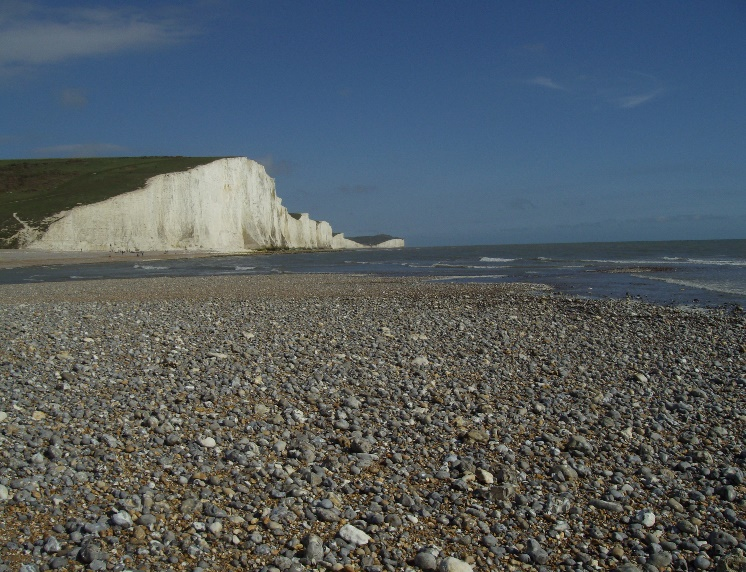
228, 205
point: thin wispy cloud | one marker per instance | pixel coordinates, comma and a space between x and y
82, 150
630, 89
543, 81
626, 90
631, 101
35, 37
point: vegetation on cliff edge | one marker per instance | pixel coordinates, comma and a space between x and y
37, 189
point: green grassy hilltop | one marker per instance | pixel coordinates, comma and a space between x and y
36, 189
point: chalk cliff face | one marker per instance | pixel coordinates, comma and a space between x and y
225, 206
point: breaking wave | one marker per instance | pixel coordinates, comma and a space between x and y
714, 286
491, 259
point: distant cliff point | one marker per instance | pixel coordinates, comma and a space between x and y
155, 203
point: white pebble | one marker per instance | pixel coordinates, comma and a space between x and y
208, 442
122, 518
354, 535
646, 517
451, 564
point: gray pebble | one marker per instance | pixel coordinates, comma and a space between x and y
425, 561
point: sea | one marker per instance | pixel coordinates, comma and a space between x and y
706, 274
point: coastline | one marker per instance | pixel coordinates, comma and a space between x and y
19, 258
344, 422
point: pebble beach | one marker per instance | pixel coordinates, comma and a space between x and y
355, 423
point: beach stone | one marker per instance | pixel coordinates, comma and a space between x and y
122, 518
646, 517
451, 564
190, 505
687, 527
91, 552
477, 436
425, 560
536, 552
361, 446
354, 535
558, 504
4, 493
214, 511
3, 416
567, 472
734, 475
733, 562
660, 560
260, 409
52, 545
578, 443
146, 520
208, 442
314, 548
721, 538
727, 493
504, 492
607, 505
484, 477
58, 563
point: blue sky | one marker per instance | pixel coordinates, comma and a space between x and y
442, 122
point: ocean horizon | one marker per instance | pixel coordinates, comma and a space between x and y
703, 273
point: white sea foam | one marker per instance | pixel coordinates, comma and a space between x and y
726, 287
243, 268
470, 266
490, 259
469, 277
717, 262
149, 267
630, 262
669, 260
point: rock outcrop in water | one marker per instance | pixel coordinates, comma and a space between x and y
225, 206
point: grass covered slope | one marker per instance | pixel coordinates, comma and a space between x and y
37, 189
